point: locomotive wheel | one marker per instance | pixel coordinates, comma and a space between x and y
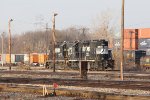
103, 68
68, 64
104, 65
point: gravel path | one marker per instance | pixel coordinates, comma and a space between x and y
116, 91
25, 96
111, 90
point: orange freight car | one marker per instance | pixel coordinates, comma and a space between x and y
130, 44
131, 34
7, 58
42, 58
144, 33
34, 58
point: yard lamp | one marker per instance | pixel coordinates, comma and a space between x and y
9, 29
54, 40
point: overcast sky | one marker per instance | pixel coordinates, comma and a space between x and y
34, 14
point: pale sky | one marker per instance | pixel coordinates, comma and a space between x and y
33, 14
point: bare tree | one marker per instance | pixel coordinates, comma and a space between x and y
103, 27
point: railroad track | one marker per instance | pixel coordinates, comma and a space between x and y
141, 85
76, 73
75, 81
39, 72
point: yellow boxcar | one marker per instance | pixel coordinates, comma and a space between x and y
7, 58
42, 58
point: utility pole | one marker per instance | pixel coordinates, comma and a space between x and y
2, 48
9, 29
46, 38
54, 40
122, 41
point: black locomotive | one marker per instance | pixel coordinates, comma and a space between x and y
95, 52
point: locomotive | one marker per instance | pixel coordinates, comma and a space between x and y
95, 52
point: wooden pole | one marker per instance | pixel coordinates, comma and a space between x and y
2, 48
122, 41
9, 43
46, 38
54, 41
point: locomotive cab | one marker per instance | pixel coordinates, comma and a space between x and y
64, 49
104, 55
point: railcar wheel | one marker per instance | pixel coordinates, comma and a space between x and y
104, 65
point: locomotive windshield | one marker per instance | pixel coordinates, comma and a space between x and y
57, 50
70, 51
86, 49
102, 50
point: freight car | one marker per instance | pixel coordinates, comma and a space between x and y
95, 52
145, 63
132, 59
17, 59
136, 60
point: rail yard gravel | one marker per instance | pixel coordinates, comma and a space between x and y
27, 96
90, 77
